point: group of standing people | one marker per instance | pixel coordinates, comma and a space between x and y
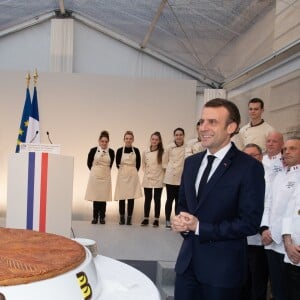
274, 252
237, 203
239, 216
99, 187
162, 167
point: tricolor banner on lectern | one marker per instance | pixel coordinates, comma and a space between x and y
36, 215
40, 192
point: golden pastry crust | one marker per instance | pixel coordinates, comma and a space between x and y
28, 256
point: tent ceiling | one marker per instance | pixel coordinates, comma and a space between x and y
192, 33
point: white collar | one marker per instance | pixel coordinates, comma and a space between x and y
222, 152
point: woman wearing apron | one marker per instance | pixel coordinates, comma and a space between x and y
100, 160
174, 160
128, 161
153, 177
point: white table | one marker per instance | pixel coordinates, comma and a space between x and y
121, 281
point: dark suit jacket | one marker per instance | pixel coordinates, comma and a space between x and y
229, 210
91, 156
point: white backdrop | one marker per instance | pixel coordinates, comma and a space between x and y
74, 108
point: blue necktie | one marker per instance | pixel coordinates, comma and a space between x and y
203, 181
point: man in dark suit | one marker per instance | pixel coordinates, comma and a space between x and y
221, 202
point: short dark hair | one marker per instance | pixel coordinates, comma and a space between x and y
234, 113
104, 133
293, 137
257, 100
252, 145
178, 129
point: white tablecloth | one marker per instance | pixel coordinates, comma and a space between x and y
121, 281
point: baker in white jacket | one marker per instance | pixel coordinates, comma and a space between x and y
291, 237
272, 160
275, 205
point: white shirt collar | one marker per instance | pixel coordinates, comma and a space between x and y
277, 156
221, 153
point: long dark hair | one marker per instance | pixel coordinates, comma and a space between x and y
160, 147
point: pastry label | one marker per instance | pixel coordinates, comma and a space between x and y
84, 285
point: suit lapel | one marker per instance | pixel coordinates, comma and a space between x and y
221, 169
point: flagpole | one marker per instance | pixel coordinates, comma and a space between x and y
35, 77
27, 79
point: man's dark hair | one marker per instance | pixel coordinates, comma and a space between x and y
257, 100
293, 137
234, 113
252, 145
178, 129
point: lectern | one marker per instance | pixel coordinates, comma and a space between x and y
39, 192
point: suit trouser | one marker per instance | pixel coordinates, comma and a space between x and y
257, 279
277, 275
187, 287
172, 193
99, 209
148, 198
293, 281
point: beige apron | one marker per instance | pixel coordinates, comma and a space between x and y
99, 184
175, 161
128, 184
153, 172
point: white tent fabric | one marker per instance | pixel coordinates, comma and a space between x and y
61, 50
194, 34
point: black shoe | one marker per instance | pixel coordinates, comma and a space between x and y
102, 220
122, 220
155, 223
128, 221
94, 221
168, 224
145, 222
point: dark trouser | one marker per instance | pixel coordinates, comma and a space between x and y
277, 275
172, 193
130, 206
99, 210
293, 281
148, 198
187, 287
257, 281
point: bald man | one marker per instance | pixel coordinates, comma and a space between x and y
272, 160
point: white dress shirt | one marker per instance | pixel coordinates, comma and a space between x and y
219, 155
